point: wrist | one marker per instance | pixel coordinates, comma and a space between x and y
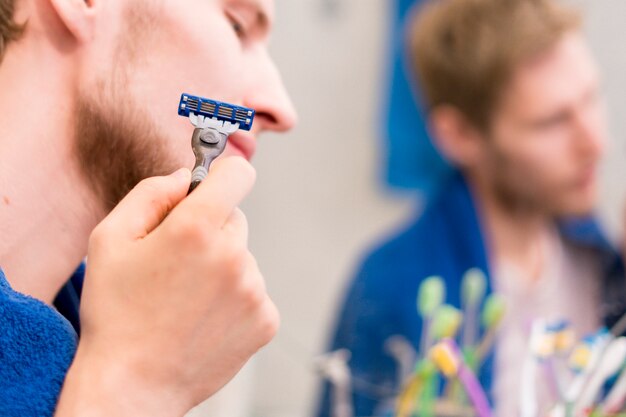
98, 385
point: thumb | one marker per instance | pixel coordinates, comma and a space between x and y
145, 207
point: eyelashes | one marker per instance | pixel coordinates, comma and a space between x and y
238, 28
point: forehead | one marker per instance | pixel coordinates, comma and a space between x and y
558, 76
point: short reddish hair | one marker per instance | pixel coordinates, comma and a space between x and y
465, 51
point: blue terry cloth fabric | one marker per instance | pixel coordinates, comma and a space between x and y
412, 161
37, 346
446, 240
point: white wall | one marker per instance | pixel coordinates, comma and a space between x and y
607, 32
318, 202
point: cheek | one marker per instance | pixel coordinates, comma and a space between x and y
530, 165
194, 50
202, 54
547, 156
182, 58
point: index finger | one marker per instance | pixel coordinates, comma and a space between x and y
229, 181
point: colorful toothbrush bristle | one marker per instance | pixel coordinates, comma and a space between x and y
445, 359
564, 336
446, 322
493, 312
474, 286
580, 357
431, 295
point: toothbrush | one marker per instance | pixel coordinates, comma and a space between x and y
406, 401
334, 367
473, 288
492, 316
402, 351
449, 359
430, 296
540, 346
616, 398
585, 359
582, 361
445, 324
413, 389
562, 338
610, 363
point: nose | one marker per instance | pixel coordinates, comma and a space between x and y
268, 96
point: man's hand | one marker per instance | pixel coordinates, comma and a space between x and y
174, 303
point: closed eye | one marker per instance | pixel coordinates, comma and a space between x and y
238, 26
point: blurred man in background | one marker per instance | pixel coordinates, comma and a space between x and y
514, 104
173, 302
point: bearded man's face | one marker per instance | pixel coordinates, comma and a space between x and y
143, 55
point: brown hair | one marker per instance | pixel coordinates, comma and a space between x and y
465, 51
9, 30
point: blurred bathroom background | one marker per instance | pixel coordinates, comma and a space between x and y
322, 198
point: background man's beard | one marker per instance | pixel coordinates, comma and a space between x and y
117, 149
517, 201
514, 191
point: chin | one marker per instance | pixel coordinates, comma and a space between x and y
581, 208
580, 202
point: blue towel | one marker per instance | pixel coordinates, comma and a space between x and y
37, 346
412, 162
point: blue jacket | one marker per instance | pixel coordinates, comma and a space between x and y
446, 240
37, 346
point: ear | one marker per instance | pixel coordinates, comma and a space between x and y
455, 137
77, 16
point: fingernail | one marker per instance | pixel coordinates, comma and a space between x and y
182, 173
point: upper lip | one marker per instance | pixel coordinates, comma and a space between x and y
245, 142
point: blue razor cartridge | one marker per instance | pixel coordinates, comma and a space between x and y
223, 112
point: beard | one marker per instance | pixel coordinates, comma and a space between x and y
117, 143
521, 191
117, 147
515, 188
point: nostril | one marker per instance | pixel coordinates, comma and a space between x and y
268, 120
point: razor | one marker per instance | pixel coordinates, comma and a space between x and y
214, 121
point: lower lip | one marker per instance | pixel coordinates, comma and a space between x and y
240, 145
234, 150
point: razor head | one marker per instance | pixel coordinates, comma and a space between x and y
204, 112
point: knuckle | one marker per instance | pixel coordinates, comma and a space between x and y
234, 257
150, 185
249, 171
251, 293
189, 233
239, 216
252, 296
269, 323
244, 168
98, 237
242, 220
237, 225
